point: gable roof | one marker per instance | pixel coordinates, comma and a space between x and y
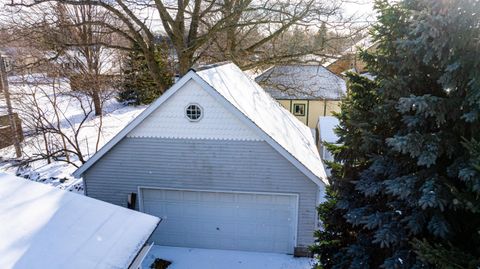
247, 100
45, 227
302, 82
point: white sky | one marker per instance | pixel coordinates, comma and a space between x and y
360, 6
362, 10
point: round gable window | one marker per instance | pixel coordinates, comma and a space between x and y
193, 112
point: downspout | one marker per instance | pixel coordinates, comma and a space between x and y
324, 107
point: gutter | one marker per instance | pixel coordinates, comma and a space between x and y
142, 254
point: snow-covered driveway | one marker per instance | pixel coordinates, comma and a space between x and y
189, 258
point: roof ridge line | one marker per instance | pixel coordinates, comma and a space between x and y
209, 66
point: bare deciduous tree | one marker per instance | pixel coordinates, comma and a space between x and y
78, 49
246, 29
55, 133
63, 41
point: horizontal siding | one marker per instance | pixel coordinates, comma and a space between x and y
251, 166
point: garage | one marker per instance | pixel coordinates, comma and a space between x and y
223, 220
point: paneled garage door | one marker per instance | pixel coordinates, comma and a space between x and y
223, 220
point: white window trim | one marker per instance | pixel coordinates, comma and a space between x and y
202, 111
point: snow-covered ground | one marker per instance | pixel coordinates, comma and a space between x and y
58, 173
189, 258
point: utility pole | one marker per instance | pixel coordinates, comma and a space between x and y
11, 116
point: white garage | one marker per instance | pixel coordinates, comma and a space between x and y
223, 220
221, 162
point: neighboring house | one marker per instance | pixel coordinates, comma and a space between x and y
326, 134
349, 60
45, 227
74, 60
220, 162
307, 91
74, 64
22, 60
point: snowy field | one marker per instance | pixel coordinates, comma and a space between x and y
193, 258
58, 173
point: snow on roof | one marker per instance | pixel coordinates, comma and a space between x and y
368, 75
326, 127
302, 82
362, 44
45, 227
331, 60
266, 113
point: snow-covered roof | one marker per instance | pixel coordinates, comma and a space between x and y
362, 44
266, 113
326, 127
302, 82
45, 227
245, 98
368, 75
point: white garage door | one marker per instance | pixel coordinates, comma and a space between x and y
223, 220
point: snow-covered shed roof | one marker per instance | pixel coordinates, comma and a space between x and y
326, 129
45, 227
302, 82
246, 99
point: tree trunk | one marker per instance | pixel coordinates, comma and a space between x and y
185, 62
97, 103
13, 121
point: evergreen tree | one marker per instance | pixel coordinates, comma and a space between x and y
410, 197
320, 37
355, 132
137, 85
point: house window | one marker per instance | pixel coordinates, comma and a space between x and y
299, 109
193, 112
